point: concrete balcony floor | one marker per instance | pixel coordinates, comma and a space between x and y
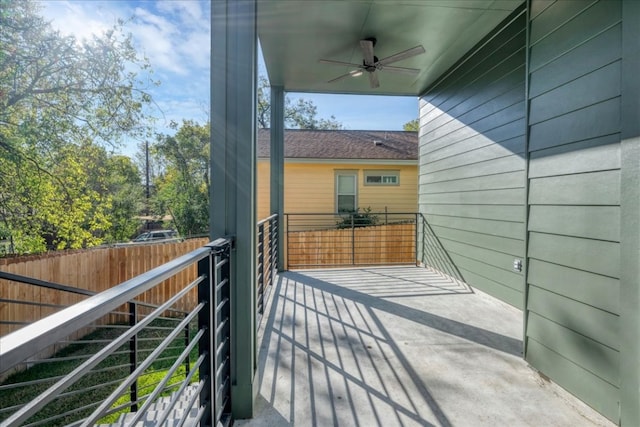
398, 346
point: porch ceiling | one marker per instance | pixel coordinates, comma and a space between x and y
296, 34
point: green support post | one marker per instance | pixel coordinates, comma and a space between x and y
233, 160
277, 164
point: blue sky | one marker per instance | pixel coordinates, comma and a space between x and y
174, 36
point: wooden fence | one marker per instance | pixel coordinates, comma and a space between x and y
92, 269
373, 245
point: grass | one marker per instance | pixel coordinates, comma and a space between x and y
98, 384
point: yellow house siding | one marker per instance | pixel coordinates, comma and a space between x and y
310, 187
263, 190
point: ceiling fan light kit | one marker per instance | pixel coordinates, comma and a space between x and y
371, 64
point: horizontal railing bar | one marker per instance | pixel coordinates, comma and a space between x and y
221, 305
221, 263
37, 336
44, 284
58, 416
221, 347
37, 304
222, 365
222, 284
72, 377
83, 390
269, 218
220, 392
143, 365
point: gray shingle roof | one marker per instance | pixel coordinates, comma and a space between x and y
343, 144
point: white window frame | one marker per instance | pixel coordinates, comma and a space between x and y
382, 174
347, 173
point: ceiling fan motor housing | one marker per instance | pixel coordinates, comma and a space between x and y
371, 67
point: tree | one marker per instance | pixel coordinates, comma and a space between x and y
61, 99
298, 114
182, 189
413, 125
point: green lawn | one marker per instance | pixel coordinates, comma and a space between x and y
101, 381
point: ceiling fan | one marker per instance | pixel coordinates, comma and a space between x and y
371, 63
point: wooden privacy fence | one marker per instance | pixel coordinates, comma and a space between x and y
91, 269
371, 245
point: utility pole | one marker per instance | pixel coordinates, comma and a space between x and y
146, 161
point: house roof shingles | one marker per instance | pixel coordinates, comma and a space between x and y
343, 144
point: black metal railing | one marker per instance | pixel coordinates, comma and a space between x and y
316, 240
113, 356
267, 263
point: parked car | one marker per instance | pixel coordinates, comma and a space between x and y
158, 236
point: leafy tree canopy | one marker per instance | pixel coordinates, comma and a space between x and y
298, 114
413, 125
183, 185
63, 100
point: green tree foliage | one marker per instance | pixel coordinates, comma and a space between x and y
298, 114
61, 101
413, 125
182, 188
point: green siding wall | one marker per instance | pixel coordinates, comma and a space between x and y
574, 198
472, 165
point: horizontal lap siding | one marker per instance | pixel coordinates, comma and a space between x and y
472, 167
310, 188
574, 198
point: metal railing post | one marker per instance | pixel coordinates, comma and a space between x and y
261, 281
205, 348
353, 240
273, 241
133, 356
187, 340
416, 239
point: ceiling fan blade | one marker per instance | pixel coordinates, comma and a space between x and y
367, 51
354, 73
402, 55
403, 70
329, 61
373, 80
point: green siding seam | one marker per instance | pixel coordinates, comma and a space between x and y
602, 101
510, 288
548, 5
470, 84
480, 234
565, 22
575, 268
577, 77
572, 361
574, 300
505, 91
484, 219
503, 26
570, 235
555, 58
475, 176
476, 134
479, 260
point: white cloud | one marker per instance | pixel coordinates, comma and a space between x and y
73, 18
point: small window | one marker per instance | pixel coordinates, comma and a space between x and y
381, 177
346, 192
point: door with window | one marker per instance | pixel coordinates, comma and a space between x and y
346, 191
